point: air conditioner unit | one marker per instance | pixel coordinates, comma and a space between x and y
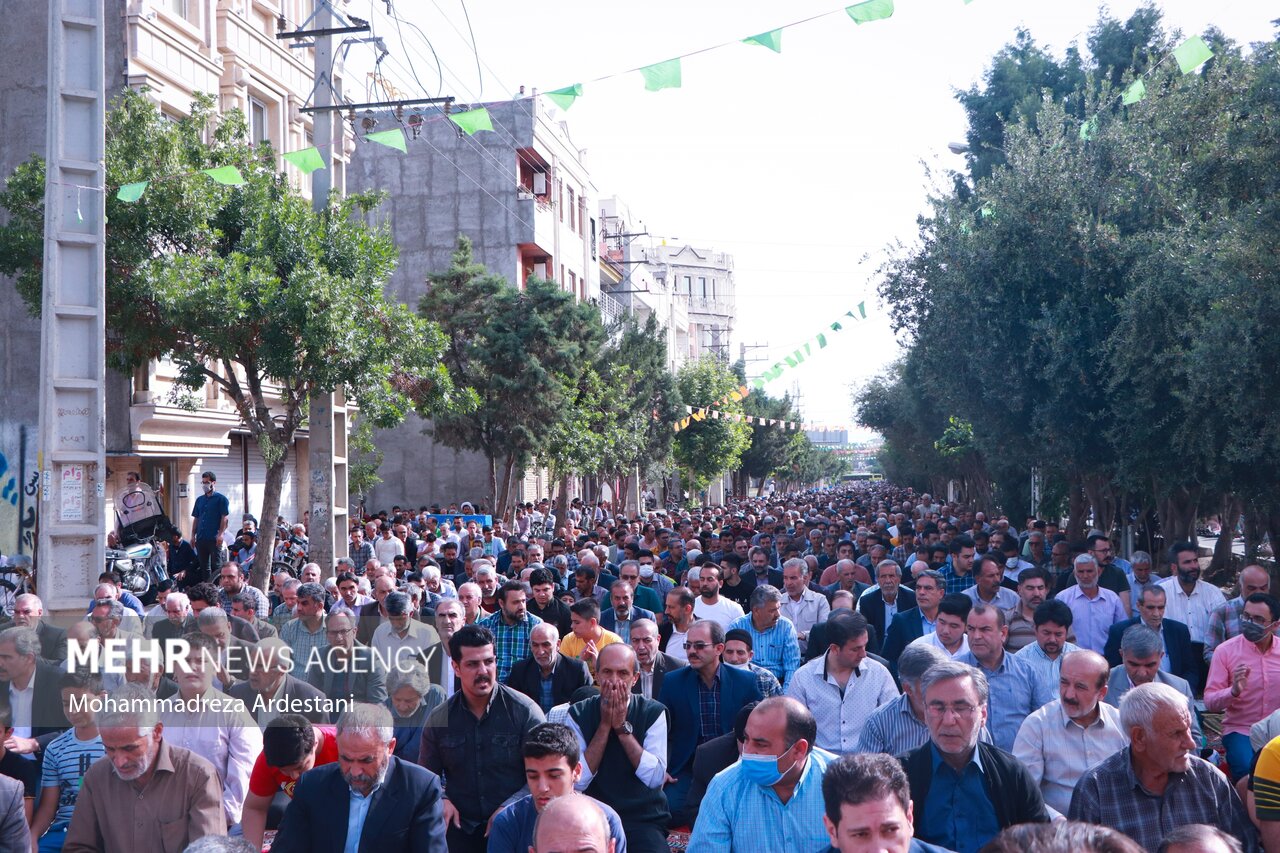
523, 194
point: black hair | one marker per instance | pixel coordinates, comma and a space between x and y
287, 740
956, 604
550, 739
469, 637
1054, 611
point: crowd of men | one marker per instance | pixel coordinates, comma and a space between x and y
853, 669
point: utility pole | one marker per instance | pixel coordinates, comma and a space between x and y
72, 444
327, 420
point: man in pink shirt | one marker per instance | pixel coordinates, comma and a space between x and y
1244, 678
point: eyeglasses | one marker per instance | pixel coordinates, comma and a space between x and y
697, 647
338, 632
1245, 617
963, 710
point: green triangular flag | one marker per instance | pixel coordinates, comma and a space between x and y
564, 98
227, 175
771, 40
663, 75
132, 192
1191, 54
1136, 92
872, 10
473, 120
393, 138
1089, 128
307, 160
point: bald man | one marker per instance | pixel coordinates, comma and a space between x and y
1224, 623
1066, 737
572, 824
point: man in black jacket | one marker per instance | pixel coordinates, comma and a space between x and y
546, 676
964, 792
404, 804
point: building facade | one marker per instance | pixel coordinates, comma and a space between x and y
704, 279
524, 196
176, 49
628, 282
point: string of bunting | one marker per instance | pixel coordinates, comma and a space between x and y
668, 74
702, 413
810, 347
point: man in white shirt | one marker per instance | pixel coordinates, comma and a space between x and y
402, 639
843, 686
211, 725
710, 604
1190, 600
804, 607
1059, 742
386, 547
949, 629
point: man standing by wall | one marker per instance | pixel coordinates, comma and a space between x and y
210, 514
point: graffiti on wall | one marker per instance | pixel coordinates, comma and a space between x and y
18, 482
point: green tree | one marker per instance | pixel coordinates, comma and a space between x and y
521, 353
772, 448
244, 287
709, 447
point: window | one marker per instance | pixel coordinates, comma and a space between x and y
573, 281
258, 132
573, 212
562, 275
688, 284
560, 204
179, 7
702, 285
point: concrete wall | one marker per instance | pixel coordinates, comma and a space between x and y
431, 200
23, 103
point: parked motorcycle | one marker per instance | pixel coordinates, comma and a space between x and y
142, 526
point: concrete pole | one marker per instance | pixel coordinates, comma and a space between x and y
72, 441
327, 443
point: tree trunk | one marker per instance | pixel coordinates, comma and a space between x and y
562, 508
1077, 504
502, 489
1178, 509
260, 574
1255, 526
494, 505
1102, 499
1222, 552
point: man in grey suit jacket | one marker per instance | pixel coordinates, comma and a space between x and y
28, 612
1141, 648
654, 665
14, 834
270, 683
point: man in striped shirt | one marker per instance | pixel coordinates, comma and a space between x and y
772, 637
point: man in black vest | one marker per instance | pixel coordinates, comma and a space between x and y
624, 750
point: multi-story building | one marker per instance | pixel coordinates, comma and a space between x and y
628, 282
524, 196
704, 278
176, 48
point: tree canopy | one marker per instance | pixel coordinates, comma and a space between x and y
244, 287
1101, 305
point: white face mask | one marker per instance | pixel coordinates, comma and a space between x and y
646, 572
208, 488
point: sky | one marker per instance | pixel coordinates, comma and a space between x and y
809, 166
